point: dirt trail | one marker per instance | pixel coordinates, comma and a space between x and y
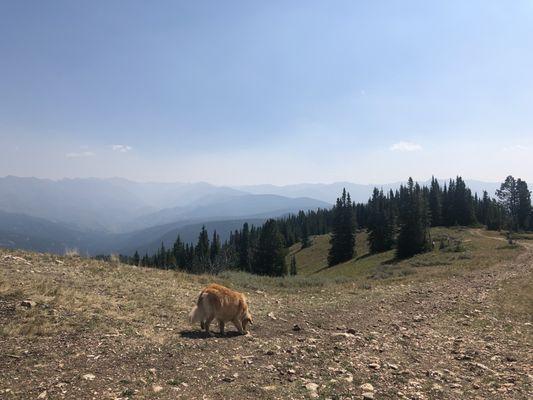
441, 339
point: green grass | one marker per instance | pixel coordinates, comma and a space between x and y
464, 249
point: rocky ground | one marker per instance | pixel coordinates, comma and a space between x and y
464, 337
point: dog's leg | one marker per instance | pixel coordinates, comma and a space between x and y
207, 323
238, 325
202, 324
221, 327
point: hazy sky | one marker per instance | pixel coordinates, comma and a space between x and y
267, 91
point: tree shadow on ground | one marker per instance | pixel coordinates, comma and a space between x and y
353, 259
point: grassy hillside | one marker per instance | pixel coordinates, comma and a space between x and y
446, 324
464, 249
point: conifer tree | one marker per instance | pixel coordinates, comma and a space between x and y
413, 237
305, 236
245, 253
435, 202
343, 231
523, 211
215, 247
380, 223
494, 218
136, 258
293, 270
201, 252
508, 198
270, 255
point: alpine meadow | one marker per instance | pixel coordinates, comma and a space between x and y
280, 200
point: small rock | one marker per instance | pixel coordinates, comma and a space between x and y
374, 366
157, 388
152, 371
28, 303
42, 395
312, 388
351, 331
296, 328
291, 371
343, 335
348, 378
228, 379
367, 387
271, 315
89, 377
368, 395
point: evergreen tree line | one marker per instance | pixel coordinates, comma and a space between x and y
399, 218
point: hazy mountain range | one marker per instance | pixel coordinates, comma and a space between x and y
118, 215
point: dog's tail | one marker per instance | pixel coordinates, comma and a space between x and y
197, 312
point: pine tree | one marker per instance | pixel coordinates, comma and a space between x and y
523, 211
305, 236
136, 259
413, 237
343, 231
484, 208
201, 252
215, 247
244, 249
293, 270
435, 202
161, 257
494, 218
270, 255
508, 198
380, 223
464, 206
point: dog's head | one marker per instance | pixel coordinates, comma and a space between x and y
247, 320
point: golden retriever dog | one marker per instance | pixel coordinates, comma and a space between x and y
223, 304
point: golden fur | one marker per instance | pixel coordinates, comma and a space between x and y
223, 304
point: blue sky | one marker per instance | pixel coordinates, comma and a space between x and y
267, 92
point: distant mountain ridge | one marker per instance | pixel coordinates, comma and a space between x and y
118, 215
329, 192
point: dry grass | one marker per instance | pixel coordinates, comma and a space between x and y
121, 323
75, 294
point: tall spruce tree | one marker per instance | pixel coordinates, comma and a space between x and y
293, 270
343, 231
380, 223
136, 259
201, 252
305, 236
413, 237
435, 202
214, 251
508, 198
269, 257
464, 206
245, 250
494, 218
523, 211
